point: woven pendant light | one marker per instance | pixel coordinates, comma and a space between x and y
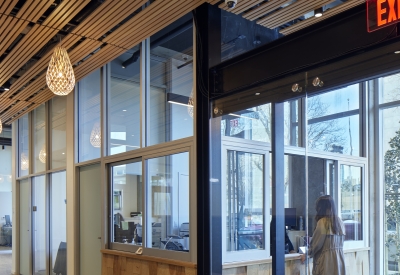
60, 75
42, 154
24, 162
191, 105
95, 135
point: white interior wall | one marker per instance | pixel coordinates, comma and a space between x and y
5, 184
5, 206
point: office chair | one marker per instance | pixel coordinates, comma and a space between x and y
60, 265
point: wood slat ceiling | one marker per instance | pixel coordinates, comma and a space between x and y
29, 32
286, 14
95, 41
327, 14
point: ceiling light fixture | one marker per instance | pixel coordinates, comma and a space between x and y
191, 104
60, 75
178, 99
135, 56
42, 154
397, 52
24, 162
7, 86
95, 135
318, 12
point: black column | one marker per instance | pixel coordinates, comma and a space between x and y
278, 176
209, 233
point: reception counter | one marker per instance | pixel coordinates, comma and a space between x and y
357, 263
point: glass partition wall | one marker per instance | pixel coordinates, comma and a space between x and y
321, 136
42, 189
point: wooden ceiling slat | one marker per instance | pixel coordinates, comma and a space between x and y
84, 49
329, 13
64, 13
153, 29
67, 42
35, 10
291, 12
4, 103
42, 96
156, 8
264, 9
38, 36
4, 23
8, 6
8, 33
34, 106
109, 15
241, 6
213, 2
149, 22
102, 57
23, 51
35, 86
15, 109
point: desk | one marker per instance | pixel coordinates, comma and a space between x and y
294, 236
6, 234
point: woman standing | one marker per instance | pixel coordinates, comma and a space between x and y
326, 246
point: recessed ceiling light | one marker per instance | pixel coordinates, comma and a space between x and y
397, 52
318, 12
63, 153
257, 93
123, 110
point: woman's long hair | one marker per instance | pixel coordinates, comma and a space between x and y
326, 208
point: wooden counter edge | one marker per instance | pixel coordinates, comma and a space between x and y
148, 258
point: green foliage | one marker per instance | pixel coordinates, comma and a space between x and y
392, 189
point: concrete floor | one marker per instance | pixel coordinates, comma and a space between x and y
5, 260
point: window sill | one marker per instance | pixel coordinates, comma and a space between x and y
148, 258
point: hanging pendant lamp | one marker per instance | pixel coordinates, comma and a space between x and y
24, 162
95, 135
42, 154
60, 76
191, 105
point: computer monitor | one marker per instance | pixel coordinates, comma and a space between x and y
290, 217
8, 221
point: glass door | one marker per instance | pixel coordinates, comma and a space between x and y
39, 236
351, 195
245, 200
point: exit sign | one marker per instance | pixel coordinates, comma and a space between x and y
382, 13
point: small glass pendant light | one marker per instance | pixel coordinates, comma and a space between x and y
95, 135
190, 107
42, 154
24, 162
